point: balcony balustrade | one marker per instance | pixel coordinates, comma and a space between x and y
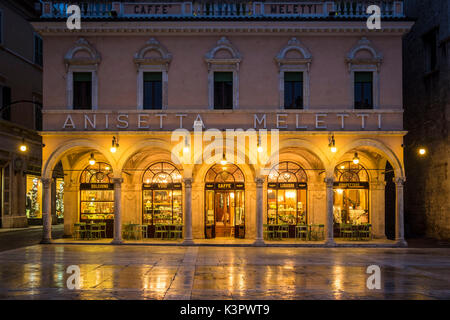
347, 9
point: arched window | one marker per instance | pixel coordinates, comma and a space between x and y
100, 172
221, 174
286, 195
351, 194
162, 196
224, 202
97, 195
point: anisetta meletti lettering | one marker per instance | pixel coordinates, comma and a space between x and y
161, 121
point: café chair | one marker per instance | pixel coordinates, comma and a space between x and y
94, 231
268, 232
144, 230
79, 231
301, 232
365, 232
160, 231
283, 231
176, 232
102, 229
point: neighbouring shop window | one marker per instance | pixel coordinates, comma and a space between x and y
223, 90
351, 194
152, 90
162, 195
96, 193
224, 202
33, 202
293, 90
286, 194
59, 198
82, 90
363, 90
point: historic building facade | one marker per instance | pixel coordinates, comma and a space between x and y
139, 102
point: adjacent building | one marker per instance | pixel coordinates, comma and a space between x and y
20, 98
139, 101
427, 109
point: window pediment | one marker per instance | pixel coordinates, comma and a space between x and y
224, 53
83, 53
153, 53
364, 54
295, 53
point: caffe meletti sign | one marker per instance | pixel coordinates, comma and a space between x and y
168, 121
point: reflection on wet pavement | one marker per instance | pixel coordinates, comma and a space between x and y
142, 272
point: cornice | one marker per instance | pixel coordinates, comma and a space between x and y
94, 28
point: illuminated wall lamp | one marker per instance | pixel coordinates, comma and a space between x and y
114, 145
356, 158
23, 146
92, 160
332, 145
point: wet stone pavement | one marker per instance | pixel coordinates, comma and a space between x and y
142, 272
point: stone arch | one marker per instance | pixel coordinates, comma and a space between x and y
74, 144
155, 144
306, 146
377, 147
366, 161
249, 170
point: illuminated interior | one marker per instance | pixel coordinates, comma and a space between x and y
351, 194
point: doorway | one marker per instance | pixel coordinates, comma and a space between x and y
224, 203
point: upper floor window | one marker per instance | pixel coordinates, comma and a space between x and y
152, 90
364, 64
82, 90
293, 90
223, 90
294, 63
152, 62
363, 90
430, 42
38, 50
223, 62
82, 62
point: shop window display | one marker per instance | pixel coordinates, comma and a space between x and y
162, 195
286, 194
351, 194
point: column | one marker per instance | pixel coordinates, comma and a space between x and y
259, 241
47, 211
329, 233
117, 211
188, 211
399, 213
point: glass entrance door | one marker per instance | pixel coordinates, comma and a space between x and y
224, 220
224, 214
